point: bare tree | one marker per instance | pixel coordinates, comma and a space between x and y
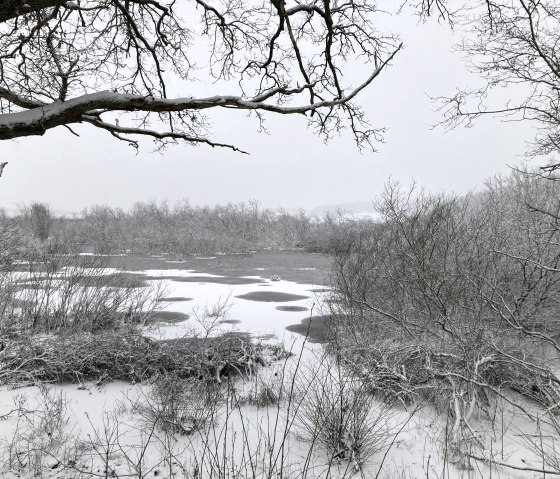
14, 243
65, 62
455, 299
513, 45
38, 218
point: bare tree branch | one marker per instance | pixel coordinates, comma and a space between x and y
64, 62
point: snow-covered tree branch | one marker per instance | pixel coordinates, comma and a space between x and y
514, 46
64, 63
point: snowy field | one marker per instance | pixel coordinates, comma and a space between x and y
105, 431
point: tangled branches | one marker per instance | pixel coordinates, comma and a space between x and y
63, 63
120, 356
455, 299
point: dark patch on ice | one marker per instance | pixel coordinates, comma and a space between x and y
315, 328
114, 280
271, 296
283, 263
170, 317
233, 280
173, 299
293, 309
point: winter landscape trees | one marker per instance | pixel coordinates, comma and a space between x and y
456, 298
442, 302
130, 68
513, 46
181, 229
64, 63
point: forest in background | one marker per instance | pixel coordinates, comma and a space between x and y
150, 228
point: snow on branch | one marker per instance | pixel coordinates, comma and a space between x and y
88, 108
68, 62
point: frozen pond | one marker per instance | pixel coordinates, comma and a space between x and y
264, 308
261, 295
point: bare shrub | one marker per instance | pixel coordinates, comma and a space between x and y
338, 413
454, 299
209, 317
178, 405
41, 432
266, 389
544, 442
128, 356
73, 292
38, 219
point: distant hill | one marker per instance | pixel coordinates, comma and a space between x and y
361, 208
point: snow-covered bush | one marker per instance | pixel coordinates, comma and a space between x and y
337, 412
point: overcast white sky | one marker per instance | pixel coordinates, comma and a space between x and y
290, 167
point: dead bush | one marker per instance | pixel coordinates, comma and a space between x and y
266, 390
337, 412
178, 405
41, 432
126, 355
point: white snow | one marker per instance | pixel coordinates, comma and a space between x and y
244, 432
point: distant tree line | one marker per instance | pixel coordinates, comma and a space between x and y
151, 227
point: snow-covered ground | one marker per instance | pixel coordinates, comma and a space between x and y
102, 431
